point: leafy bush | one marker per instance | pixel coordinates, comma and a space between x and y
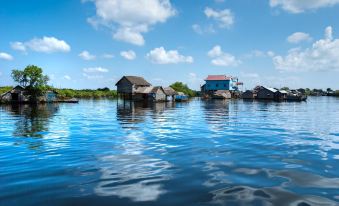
86, 93
181, 87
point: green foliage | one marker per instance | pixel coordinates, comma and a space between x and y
181, 87
5, 89
86, 93
32, 78
285, 88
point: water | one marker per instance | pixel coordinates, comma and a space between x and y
102, 152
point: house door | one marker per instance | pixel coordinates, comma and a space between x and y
15, 96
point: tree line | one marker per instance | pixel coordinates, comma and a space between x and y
36, 84
315, 92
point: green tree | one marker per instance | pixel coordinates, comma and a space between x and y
181, 87
32, 78
285, 88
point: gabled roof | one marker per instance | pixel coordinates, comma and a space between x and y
155, 89
169, 91
217, 77
135, 80
144, 90
271, 89
18, 87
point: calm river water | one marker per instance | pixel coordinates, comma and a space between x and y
104, 152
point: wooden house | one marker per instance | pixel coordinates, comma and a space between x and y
157, 94
248, 94
170, 93
17, 94
50, 96
267, 93
129, 86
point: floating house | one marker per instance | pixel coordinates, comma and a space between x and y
181, 97
157, 94
19, 94
220, 82
267, 93
129, 86
51, 96
16, 94
220, 86
138, 89
170, 93
248, 94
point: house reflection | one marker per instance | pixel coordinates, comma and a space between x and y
31, 120
217, 113
130, 113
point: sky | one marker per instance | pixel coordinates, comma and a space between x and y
93, 43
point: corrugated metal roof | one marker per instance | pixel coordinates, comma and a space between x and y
271, 89
217, 77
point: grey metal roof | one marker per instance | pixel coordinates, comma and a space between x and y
271, 89
138, 81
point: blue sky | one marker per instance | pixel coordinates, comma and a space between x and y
92, 43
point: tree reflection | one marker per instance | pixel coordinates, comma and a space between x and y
31, 120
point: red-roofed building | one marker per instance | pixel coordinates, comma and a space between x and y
217, 78
220, 82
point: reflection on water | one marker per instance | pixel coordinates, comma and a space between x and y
106, 152
31, 121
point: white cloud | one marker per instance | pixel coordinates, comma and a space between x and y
225, 18
133, 18
220, 58
161, 56
95, 70
108, 56
201, 30
299, 6
322, 56
45, 45
67, 77
91, 77
6, 56
129, 55
85, 55
298, 37
270, 53
19, 46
